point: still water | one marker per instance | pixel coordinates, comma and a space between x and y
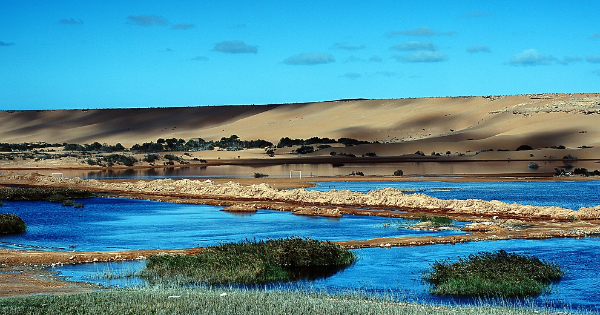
120, 224
133, 224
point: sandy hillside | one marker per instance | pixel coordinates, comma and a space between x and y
457, 124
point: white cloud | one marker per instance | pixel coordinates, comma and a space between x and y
199, 58
422, 56
593, 59
235, 47
147, 20
596, 35
183, 26
309, 59
348, 47
569, 59
421, 31
476, 14
530, 57
413, 46
70, 21
375, 58
479, 48
352, 75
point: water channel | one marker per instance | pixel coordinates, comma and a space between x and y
113, 224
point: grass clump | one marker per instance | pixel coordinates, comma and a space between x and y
11, 224
53, 194
437, 221
276, 260
498, 274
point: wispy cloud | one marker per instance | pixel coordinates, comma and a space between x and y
345, 46
6, 44
422, 56
593, 59
388, 74
235, 47
375, 58
71, 21
423, 31
568, 60
147, 20
412, 46
309, 59
596, 35
183, 26
241, 25
351, 75
476, 14
353, 58
199, 58
168, 49
530, 57
596, 72
479, 48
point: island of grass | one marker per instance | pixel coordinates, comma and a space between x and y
11, 224
249, 262
497, 274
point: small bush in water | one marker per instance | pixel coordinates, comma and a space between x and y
498, 274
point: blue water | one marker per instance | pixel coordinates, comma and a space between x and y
399, 270
567, 194
135, 224
120, 224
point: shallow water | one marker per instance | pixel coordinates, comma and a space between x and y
133, 224
567, 194
120, 224
398, 270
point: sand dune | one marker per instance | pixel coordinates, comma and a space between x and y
455, 124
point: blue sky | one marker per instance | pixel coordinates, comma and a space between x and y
107, 54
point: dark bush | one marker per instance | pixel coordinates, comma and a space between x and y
151, 157
260, 175
398, 173
524, 147
11, 224
569, 157
305, 150
370, 154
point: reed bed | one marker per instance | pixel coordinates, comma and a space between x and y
497, 274
274, 260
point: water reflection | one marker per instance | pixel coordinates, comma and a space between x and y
334, 169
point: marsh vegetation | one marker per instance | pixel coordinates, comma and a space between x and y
274, 260
493, 274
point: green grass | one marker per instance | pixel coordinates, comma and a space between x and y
498, 274
275, 260
11, 224
437, 221
160, 300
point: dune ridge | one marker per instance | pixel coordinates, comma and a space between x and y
495, 122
